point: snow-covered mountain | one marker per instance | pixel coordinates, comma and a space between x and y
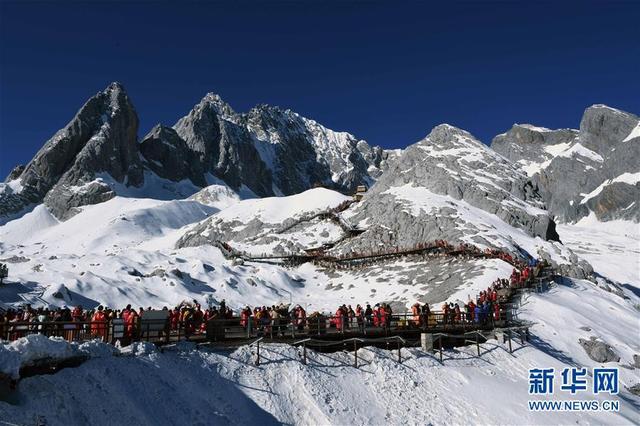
101, 138
274, 151
98, 218
267, 151
168, 202
594, 170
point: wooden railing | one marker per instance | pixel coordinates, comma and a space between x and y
238, 328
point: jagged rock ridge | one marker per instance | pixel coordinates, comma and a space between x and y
594, 170
274, 151
267, 151
101, 138
449, 186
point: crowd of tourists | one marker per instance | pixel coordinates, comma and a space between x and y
66, 321
190, 318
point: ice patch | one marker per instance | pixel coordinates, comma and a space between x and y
635, 133
628, 178
578, 149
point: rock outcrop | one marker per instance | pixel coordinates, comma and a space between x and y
169, 156
532, 147
598, 350
266, 226
15, 173
273, 151
100, 139
594, 170
267, 151
449, 186
223, 146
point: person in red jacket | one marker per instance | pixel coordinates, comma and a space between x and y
98, 324
339, 319
496, 311
126, 312
77, 314
175, 319
376, 315
198, 318
387, 315
360, 317
415, 312
382, 312
244, 317
470, 310
131, 323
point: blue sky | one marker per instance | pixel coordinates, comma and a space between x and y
385, 71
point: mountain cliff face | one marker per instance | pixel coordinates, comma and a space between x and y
223, 146
444, 187
267, 151
594, 170
274, 151
270, 151
101, 138
169, 156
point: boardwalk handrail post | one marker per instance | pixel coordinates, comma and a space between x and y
304, 353
399, 353
258, 353
509, 336
355, 352
477, 343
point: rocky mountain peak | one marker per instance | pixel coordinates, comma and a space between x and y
602, 127
213, 101
528, 133
169, 156
447, 135
100, 139
15, 173
273, 150
582, 171
440, 186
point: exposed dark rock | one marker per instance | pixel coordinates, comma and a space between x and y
580, 172
170, 157
15, 173
99, 140
599, 351
134, 272
15, 259
274, 151
177, 273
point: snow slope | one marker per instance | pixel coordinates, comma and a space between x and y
123, 251
613, 247
275, 210
227, 388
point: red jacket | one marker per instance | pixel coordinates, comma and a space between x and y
98, 325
